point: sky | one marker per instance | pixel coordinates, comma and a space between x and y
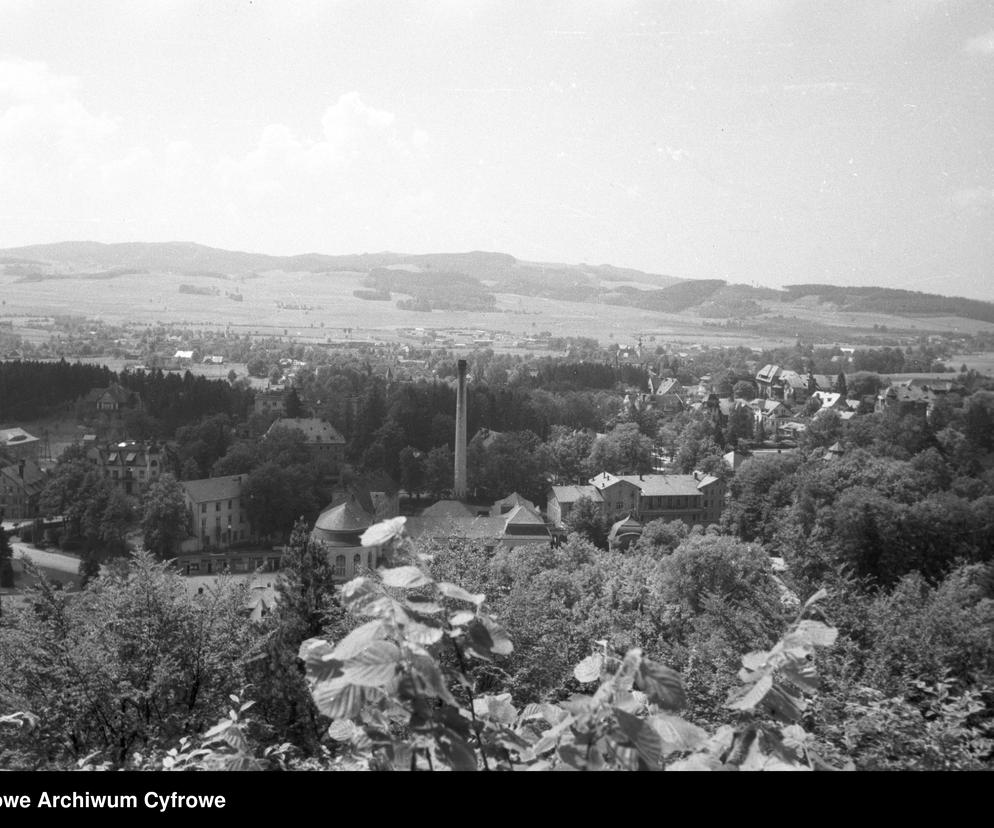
765, 142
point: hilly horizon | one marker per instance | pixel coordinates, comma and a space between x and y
481, 274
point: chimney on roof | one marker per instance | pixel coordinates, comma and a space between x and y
459, 489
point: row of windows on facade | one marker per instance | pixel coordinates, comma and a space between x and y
217, 507
251, 564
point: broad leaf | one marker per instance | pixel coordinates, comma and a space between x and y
480, 642
454, 750
697, 762
662, 685
458, 593
500, 643
424, 607
754, 695
422, 634
342, 730
358, 589
818, 596
802, 674
375, 666
404, 577
573, 756
319, 661
755, 660
644, 738
384, 607
678, 735
432, 680
784, 705
589, 669
461, 618
819, 634
337, 699
358, 640
496, 708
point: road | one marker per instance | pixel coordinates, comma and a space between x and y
50, 560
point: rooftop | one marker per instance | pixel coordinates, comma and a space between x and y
214, 488
314, 429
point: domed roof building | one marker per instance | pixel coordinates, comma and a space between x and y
339, 529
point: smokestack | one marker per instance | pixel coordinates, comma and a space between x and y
459, 490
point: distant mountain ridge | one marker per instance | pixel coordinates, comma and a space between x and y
481, 273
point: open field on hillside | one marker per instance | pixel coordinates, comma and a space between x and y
326, 307
982, 362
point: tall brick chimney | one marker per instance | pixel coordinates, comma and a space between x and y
459, 489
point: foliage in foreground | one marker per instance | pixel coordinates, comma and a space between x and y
402, 692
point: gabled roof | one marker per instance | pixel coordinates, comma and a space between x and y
571, 494
793, 379
466, 526
827, 399
32, 479
214, 488
667, 386
315, 430
768, 373
605, 480
505, 505
448, 509
15, 437
523, 516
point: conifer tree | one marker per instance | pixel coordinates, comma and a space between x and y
306, 606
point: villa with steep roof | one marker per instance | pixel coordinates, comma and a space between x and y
321, 438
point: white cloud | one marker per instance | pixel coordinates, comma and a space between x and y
981, 45
352, 182
42, 122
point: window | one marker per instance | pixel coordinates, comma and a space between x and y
356, 563
229, 505
340, 566
203, 508
217, 506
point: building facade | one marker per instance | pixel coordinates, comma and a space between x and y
216, 512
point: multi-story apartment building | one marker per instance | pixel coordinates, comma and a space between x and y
216, 512
130, 466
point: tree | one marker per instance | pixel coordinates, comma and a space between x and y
412, 471
306, 606
6, 555
514, 461
585, 519
277, 496
741, 423
841, 386
624, 450
164, 517
568, 451
130, 662
744, 390
294, 407
439, 471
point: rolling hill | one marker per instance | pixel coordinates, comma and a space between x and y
473, 279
